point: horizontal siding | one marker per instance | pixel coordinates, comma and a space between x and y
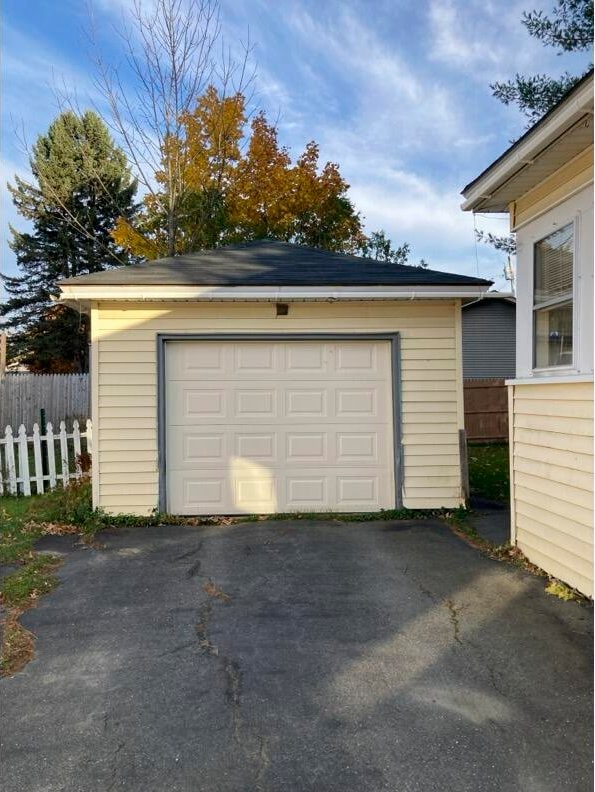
553, 478
548, 518
489, 335
127, 400
558, 458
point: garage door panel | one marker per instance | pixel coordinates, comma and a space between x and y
260, 446
357, 490
307, 492
357, 447
203, 448
356, 403
192, 361
306, 403
286, 426
255, 358
203, 404
218, 362
301, 402
307, 446
303, 359
190, 493
355, 358
254, 403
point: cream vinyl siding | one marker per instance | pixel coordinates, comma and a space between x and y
552, 469
125, 385
566, 181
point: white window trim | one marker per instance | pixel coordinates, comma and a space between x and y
549, 371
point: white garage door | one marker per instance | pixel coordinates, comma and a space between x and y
262, 427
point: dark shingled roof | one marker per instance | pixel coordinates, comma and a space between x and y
268, 263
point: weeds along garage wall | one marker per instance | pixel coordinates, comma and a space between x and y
124, 389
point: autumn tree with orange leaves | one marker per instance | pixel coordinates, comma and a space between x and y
240, 186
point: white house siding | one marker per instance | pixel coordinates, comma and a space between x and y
552, 478
124, 368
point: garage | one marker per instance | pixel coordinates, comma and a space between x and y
270, 377
279, 426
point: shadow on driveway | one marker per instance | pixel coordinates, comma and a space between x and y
300, 656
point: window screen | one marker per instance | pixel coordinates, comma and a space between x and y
552, 299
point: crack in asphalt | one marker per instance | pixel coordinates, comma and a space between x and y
114, 777
264, 761
427, 592
176, 649
233, 675
454, 618
233, 693
453, 611
194, 569
202, 630
189, 553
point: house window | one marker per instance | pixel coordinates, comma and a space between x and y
552, 299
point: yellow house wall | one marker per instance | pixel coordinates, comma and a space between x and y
552, 478
124, 398
570, 178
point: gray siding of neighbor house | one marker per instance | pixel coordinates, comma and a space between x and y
489, 337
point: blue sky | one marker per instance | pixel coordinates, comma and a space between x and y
395, 91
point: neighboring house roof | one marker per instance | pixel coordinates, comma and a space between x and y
489, 336
492, 295
563, 133
268, 263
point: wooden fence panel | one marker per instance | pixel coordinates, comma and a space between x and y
486, 409
64, 397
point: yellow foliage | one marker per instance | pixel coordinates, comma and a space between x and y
130, 239
219, 190
213, 135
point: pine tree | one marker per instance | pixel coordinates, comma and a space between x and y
81, 185
568, 29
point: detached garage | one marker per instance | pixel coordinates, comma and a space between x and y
269, 377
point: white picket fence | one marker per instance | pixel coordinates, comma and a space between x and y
19, 469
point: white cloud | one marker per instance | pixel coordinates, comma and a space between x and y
452, 42
394, 100
486, 40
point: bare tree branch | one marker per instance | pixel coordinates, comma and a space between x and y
169, 51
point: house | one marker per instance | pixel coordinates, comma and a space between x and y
270, 377
489, 334
545, 182
489, 328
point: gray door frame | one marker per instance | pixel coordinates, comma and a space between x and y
395, 348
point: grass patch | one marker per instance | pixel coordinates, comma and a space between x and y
22, 522
18, 646
34, 579
489, 474
20, 592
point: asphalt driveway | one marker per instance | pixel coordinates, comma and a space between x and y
299, 656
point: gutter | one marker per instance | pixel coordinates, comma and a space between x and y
528, 149
218, 294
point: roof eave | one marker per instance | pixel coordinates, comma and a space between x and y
85, 294
479, 193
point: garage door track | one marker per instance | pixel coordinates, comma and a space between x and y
299, 655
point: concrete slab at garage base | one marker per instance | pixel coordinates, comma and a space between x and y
374, 656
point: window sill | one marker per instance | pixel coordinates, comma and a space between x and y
550, 379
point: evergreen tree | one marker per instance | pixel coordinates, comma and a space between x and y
569, 29
81, 185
